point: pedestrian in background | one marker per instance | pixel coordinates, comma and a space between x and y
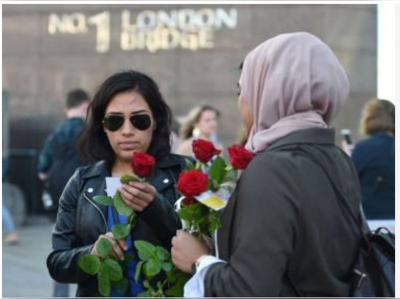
10, 236
374, 158
200, 123
59, 157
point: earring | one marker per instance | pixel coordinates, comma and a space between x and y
196, 132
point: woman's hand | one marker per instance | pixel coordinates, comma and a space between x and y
186, 249
119, 246
138, 196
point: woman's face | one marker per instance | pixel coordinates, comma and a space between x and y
245, 113
128, 139
208, 122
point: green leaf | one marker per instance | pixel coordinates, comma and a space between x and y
162, 253
121, 231
114, 269
217, 170
145, 294
126, 179
152, 268
228, 168
145, 250
103, 280
185, 214
179, 281
89, 263
132, 219
167, 266
189, 165
121, 206
203, 225
104, 247
214, 219
172, 277
199, 212
138, 269
146, 284
103, 200
230, 176
121, 286
199, 165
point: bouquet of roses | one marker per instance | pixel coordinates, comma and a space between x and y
152, 260
207, 186
109, 270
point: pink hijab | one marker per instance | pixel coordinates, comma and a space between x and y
291, 82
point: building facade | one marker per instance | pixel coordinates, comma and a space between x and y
192, 51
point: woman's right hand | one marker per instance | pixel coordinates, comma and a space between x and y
119, 246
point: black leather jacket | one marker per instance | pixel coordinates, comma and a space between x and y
80, 220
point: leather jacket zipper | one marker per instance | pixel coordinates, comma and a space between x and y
98, 209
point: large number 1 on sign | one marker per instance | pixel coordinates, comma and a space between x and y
102, 22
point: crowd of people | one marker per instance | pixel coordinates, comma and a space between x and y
283, 229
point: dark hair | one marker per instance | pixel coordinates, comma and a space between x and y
76, 97
94, 144
378, 115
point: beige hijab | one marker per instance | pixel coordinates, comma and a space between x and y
291, 82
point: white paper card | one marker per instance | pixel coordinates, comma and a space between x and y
112, 185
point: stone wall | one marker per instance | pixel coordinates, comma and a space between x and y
43, 60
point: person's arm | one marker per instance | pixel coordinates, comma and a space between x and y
45, 158
62, 262
262, 233
359, 157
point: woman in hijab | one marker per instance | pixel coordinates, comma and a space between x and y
285, 232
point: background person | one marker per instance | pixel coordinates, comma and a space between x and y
59, 158
200, 123
374, 158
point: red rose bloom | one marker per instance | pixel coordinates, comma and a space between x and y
192, 183
204, 150
239, 156
188, 201
143, 164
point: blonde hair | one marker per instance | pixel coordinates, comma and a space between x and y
378, 115
188, 122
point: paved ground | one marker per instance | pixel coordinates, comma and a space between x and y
24, 265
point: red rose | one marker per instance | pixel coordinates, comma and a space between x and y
192, 183
143, 164
204, 150
239, 156
188, 201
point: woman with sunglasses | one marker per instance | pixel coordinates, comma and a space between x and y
127, 115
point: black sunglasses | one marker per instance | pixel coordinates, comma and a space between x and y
114, 122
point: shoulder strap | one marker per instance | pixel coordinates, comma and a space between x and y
360, 223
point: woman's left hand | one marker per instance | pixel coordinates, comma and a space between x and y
138, 196
186, 249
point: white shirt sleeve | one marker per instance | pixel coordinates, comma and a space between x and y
194, 288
